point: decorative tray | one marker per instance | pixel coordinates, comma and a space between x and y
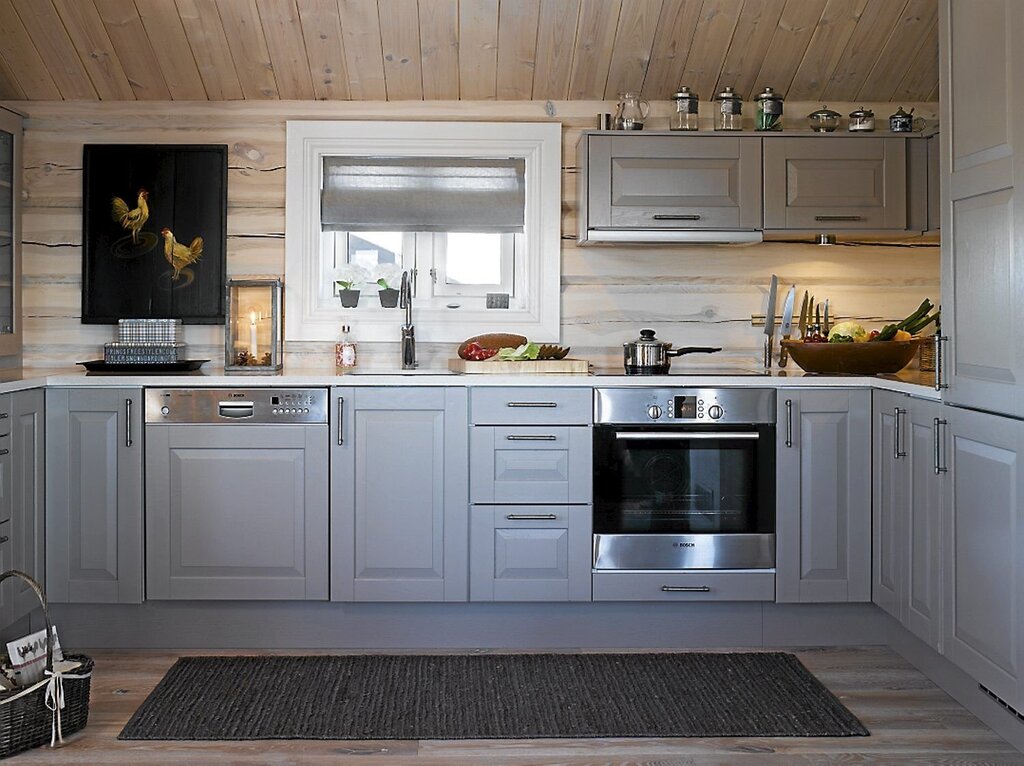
185, 365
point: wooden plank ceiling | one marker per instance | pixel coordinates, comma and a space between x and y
124, 50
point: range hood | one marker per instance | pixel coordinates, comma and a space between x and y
674, 236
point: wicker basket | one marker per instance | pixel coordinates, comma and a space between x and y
32, 716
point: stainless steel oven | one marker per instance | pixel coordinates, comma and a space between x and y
684, 478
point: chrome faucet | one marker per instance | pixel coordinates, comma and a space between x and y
408, 331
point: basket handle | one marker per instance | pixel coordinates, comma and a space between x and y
38, 590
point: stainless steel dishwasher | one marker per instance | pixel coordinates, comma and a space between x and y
236, 493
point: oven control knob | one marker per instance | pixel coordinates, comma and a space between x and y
654, 412
715, 412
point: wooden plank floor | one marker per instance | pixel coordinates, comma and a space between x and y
911, 721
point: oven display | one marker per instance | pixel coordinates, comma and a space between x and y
684, 407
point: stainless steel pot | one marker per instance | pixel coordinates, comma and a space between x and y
649, 356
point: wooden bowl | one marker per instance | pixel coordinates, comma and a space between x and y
870, 358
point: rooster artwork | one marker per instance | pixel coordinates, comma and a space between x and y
131, 219
178, 255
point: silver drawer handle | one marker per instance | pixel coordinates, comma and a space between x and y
532, 404
897, 453
685, 589
127, 422
789, 422
341, 420
531, 516
531, 438
665, 217
937, 425
940, 363
675, 436
838, 218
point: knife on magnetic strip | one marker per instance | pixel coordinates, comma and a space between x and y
769, 322
787, 323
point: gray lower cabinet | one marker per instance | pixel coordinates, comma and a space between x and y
28, 457
530, 464
236, 512
399, 494
829, 183
94, 546
983, 533
889, 512
684, 586
530, 553
823, 498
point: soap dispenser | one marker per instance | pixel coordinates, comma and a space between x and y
345, 349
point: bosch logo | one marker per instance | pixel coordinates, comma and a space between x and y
684, 545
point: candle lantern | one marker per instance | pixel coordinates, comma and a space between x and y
252, 335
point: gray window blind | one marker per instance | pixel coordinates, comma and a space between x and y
423, 194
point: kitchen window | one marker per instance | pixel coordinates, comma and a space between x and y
471, 210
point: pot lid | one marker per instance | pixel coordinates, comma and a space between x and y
861, 113
728, 94
685, 92
647, 339
769, 94
900, 113
824, 113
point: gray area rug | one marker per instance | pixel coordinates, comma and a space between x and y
491, 696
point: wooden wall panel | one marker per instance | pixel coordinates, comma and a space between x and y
919, 19
21, 55
360, 29
700, 295
796, 28
873, 31
711, 41
670, 49
558, 20
248, 47
828, 43
595, 40
478, 49
210, 50
51, 40
400, 43
439, 48
325, 50
97, 53
517, 49
634, 38
170, 47
287, 48
754, 29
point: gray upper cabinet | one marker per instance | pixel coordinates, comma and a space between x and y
983, 535
982, 216
10, 239
669, 182
833, 183
399, 494
94, 546
823, 499
28, 456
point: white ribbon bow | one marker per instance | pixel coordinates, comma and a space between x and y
54, 699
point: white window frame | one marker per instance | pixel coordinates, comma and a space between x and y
474, 290
537, 313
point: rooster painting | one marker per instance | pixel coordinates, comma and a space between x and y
178, 255
131, 219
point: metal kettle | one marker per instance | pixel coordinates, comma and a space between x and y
647, 355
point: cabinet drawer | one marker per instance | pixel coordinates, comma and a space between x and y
707, 586
531, 405
530, 464
530, 553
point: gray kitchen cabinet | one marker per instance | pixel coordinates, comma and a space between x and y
236, 512
934, 172
983, 539
11, 320
983, 213
889, 514
830, 183
94, 544
28, 458
823, 498
399, 494
7, 586
530, 553
709, 585
668, 182
530, 405
530, 464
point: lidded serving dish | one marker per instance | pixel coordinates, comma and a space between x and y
824, 120
861, 121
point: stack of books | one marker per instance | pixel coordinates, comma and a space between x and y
146, 341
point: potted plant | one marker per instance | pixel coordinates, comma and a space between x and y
389, 276
348, 276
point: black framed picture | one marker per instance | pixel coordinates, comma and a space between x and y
154, 220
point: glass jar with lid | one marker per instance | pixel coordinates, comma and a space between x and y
729, 114
861, 121
685, 115
823, 120
769, 110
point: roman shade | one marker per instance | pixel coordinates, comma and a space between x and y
423, 194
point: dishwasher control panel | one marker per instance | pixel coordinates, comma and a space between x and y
240, 406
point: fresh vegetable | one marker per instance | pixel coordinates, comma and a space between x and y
834, 337
913, 321
527, 351
853, 330
474, 352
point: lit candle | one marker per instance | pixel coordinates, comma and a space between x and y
252, 334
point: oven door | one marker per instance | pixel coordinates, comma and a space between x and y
684, 496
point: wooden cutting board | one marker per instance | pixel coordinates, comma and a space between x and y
495, 367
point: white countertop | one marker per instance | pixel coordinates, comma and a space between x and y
909, 382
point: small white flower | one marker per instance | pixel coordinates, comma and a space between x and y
350, 275
388, 275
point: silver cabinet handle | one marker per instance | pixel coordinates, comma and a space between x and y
685, 589
937, 425
531, 438
341, 420
127, 422
531, 516
666, 217
4, 415
4, 451
838, 218
897, 453
939, 362
4, 539
685, 437
532, 404
789, 422
236, 409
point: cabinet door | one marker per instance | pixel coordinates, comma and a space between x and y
674, 182
94, 495
823, 509
530, 553
399, 494
236, 512
835, 183
984, 541
921, 611
28, 454
888, 530
983, 213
